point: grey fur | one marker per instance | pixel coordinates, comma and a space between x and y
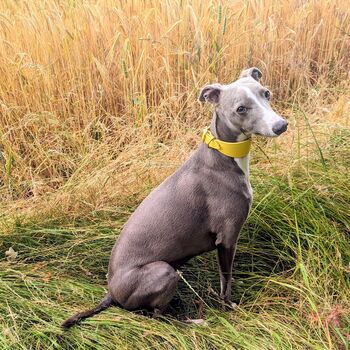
201, 207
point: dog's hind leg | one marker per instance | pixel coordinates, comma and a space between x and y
150, 286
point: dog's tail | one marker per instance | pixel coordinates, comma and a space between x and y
106, 302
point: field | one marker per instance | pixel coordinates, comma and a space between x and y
98, 104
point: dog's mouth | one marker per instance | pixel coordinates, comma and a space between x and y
268, 134
260, 134
245, 132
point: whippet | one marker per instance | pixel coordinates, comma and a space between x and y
199, 208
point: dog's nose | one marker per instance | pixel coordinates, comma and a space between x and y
280, 127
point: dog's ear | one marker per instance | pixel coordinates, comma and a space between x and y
251, 72
210, 93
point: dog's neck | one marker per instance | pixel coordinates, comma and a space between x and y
229, 134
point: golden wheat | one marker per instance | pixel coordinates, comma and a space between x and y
98, 98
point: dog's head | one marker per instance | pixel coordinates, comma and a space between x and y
244, 105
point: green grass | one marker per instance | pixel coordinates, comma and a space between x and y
291, 278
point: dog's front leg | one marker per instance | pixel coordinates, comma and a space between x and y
225, 257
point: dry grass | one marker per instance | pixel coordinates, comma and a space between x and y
96, 94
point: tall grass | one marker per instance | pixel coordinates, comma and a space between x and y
291, 279
98, 104
81, 81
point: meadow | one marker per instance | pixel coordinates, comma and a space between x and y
99, 104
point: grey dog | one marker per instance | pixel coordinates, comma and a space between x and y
199, 208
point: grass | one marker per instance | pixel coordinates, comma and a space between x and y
98, 105
294, 239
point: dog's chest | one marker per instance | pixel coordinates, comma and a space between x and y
243, 164
230, 190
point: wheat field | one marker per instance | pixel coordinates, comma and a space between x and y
99, 104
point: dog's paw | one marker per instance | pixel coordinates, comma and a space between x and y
230, 305
198, 322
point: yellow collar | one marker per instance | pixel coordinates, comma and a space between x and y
231, 149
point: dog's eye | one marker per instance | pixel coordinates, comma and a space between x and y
241, 109
267, 94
